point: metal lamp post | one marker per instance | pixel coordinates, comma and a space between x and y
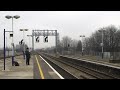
24, 40
11, 17
102, 42
4, 48
29, 39
82, 42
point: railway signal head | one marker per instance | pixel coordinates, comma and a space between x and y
68, 45
21, 42
45, 38
37, 39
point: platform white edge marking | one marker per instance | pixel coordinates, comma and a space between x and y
52, 68
87, 60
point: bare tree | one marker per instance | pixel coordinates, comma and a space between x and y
66, 41
73, 46
79, 46
111, 40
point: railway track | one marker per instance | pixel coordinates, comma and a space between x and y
63, 67
90, 72
62, 71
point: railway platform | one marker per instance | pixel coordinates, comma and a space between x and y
22, 71
43, 70
38, 69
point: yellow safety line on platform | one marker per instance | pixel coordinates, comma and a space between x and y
41, 73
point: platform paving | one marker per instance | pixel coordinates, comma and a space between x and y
16, 72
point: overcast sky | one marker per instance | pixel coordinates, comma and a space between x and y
67, 23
